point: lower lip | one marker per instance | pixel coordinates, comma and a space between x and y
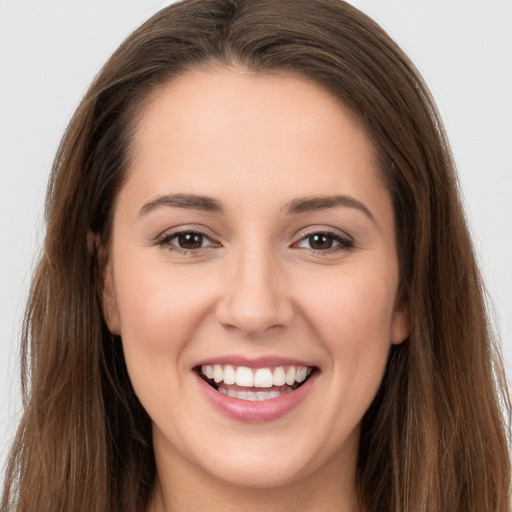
256, 412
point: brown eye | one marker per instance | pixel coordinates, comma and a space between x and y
190, 240
325, 242
320, 241
184, 242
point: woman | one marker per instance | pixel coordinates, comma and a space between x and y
257, 282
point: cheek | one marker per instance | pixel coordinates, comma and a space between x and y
159, 310
156, 299
349, 314
160, 313
354, 308
352, 319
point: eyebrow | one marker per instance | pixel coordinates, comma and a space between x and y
187, 201
317, 203
297, 206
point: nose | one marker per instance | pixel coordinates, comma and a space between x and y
256, 298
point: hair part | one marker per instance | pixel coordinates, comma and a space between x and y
434, 439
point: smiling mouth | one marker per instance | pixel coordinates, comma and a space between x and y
254, 384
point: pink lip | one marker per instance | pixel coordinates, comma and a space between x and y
257, 362
256, 412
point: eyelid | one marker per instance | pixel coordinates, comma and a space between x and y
187, 228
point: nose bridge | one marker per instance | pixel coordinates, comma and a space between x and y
256, 296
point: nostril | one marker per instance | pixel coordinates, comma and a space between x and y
254, 319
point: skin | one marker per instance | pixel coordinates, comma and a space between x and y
257, 286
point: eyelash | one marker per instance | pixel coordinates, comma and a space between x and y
343, 244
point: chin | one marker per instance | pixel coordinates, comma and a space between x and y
259, 472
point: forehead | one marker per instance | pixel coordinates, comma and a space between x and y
227, 94
209, 131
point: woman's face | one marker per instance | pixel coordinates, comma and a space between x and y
253, 277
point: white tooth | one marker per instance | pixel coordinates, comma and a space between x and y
229, 375
208, 371
242, 395
301, 374
231, 392
244, 377
217, 373
279, 376
274, 394
263, 395
223, 391
251, 396
263, 378
290, 376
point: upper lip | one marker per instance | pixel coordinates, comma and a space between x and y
256, 362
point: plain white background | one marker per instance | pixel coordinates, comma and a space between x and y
50, 51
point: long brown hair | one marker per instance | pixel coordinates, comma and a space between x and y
436, 436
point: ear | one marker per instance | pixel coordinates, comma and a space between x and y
401, 323
109, 301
